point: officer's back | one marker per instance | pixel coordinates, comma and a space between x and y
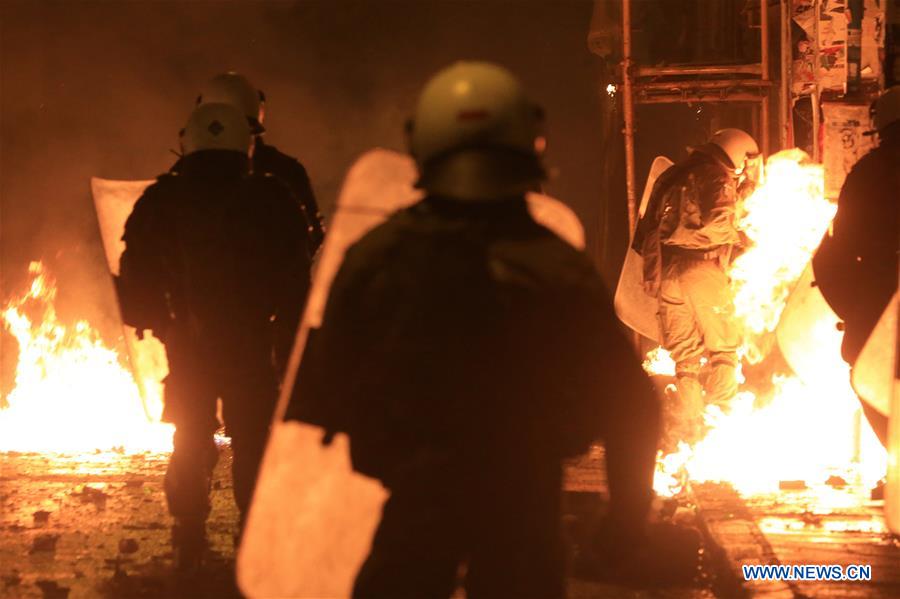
236, 90
217, 248
467, 350
478, 314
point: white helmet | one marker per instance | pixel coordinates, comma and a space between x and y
475, 134
235, 89
216, 127
737, 144
887, 108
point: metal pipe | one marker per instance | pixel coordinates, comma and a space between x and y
764, 74
742, 69
784, 108
628, 114
711, 99
816, 116
816, 95
764, 39
710, 84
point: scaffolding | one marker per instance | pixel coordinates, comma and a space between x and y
750, 82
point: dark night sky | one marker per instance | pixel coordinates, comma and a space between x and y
101, 88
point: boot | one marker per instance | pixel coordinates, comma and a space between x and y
189, 546
690, 408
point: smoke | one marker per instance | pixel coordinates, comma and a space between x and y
102, 88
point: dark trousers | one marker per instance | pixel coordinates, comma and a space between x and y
498, 529
247, 386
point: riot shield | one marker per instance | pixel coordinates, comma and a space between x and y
807, 331
113, 203
807, 340
633, 306
876, 378
872, 374
313, 518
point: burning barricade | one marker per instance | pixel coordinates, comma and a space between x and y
72, 392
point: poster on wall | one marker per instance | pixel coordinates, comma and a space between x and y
845, 141
833, 18
803, 77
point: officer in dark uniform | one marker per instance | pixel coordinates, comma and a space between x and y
217, 267
467, 350
236, 90
856, 266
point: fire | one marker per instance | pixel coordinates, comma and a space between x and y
71, 392
795, 430
659, 361
784, 221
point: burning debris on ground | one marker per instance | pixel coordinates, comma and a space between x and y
756, 278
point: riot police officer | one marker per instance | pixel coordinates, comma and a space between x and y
215, 265
235, 89
467, 350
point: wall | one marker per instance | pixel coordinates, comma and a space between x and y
101, 88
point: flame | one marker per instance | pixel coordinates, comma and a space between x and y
796, 430
71, 392
659, 361
784, 220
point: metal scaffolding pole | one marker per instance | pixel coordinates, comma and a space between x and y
764, 65
786, 133
628, 114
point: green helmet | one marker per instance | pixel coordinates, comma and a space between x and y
475, 134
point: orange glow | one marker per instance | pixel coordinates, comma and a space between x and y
797, 430
72, 393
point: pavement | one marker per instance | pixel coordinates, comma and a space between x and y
95, 525
819, 526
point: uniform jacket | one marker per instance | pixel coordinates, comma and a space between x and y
470, 329
215, 252
267, 159
691, 207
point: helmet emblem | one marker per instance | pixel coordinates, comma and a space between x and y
215, 128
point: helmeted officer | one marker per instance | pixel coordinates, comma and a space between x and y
856, 266
467, 350
215, 264
235, 89
687, 237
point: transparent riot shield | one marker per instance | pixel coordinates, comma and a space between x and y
633, 306
313, 518
876, 378
113, 203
